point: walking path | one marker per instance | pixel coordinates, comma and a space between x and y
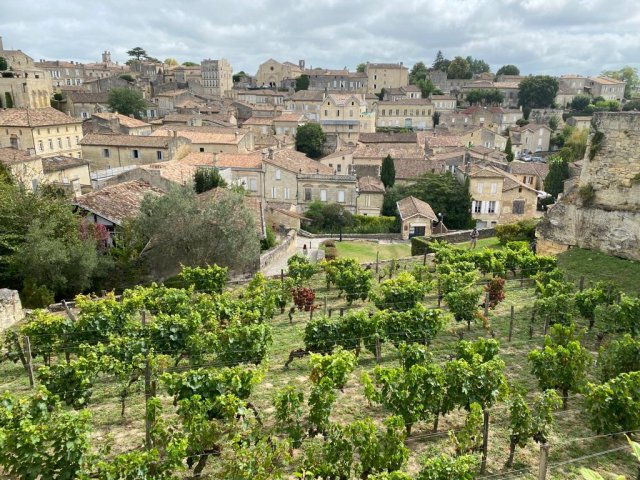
312, 253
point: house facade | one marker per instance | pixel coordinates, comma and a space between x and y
271, 73
386, 75
344, 116
414, 113
417, 218
24, 166
217, 77
370, 196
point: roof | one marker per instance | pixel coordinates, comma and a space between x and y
529, 168
606, 80
388, 137
406, 101
173, 93
258, 121
61, 162
297, 162
128, 122
386, 65
410, 207
380, 151
289, 117
482, 150
341, 99
408, 168
207, 135
13, 156
442, 97
117, 202
118, 140
86, 97
251, 160
38, 117
444, 140
340, 153
489, 171
370, 185
173, 170
308, 95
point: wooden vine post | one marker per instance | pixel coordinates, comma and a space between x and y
485, 441
147, 391
544, 457
511, 322
28, 359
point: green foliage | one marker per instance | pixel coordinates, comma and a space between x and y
209, 279
47, 333
289, 403
484, 96
206, 179
486, 348
474, 381
270, 240
560, 365
469, 438
619, 317
354, 281
459, 68
321, 401
41, 440
587, 194
370, 224
558, 173
400, 293
630, 77
556, 308
419, 246
509, 150
361, 67
440, 63
580, 102
300, 269
309, 139
614, 406
388, 172
327, 217
302, 83
631, 105
620, 356
444, 467
127, 102
464, 303
137, 53
336, 367
477, 65
602, 293
508, 70
524, 230
537, 91
244, 344
3, 64
72, 381
417, 325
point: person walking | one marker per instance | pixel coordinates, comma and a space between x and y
474, 238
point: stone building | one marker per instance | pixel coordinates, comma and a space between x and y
24, 166
412, 113
370, 196
306, 102
601, 211
344, 116
67, 171
271, 73
25, 85
211, 139
337, 80
217, 77
108, 122
386, 75
417, 218
84, 104
530, 138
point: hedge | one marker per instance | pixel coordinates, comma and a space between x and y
419, 246
524, 230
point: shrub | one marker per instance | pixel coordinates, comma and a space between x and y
209, 279
400, 293
269, 241
303, 298
587, 194
524, 230
300, 269
368, 224
419, 246
330, 253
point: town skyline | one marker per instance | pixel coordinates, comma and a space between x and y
566, 37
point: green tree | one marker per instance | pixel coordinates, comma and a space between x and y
418, 72
485, 96
629, 75
477, 65
309, 139
172, 62
128, 78
206, 179
137, 53
631, 105
440, 63
508, 70
459, 68
190, 64
580, 102
426, 87
3, 64
508, 150
328, 217
388, 172
436, 118
237, 77
361, 67
127, 102
537, 92
184, 232
558, 173
302, 82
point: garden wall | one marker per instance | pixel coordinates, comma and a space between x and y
10, 308
285, 249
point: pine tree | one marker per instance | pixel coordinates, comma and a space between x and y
508, 150
388, 172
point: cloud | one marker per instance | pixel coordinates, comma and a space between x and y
540, 36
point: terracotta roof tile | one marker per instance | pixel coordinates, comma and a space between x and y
61, 162
371, 185
297, 162
122, 119
388, 137
13, 156
35, 117
116, 140
411, 207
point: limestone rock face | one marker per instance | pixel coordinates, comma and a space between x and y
10, 308
608, 219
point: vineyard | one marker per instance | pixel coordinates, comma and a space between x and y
469, 364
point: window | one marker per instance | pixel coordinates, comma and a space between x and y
106, 153
159, 155
528, 180
367, 200
494, 188
518, 207
492, 207
253, 184
202, 149
135, 153
40, 146
307, 194
286, 193
77, 140
326, 113
323, 195
68, 142
278, 175
480, 187
477, 207
59, 143
85, 115
274, 192
339, 167
50, 144
340, 196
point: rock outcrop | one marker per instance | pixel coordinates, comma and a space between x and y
10, 308
602, 210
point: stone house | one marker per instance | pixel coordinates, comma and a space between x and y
112, 150
370, 196
367, 158
532, 137
168, 101
406, 113
287, 123
341, 161
84, 104
62, 73
272, 73
337, 80
46, 130
25, 89
386, 75
217, 77
344, 116
70, 171
259, 97
107, 122
306, 102
606, 87
581, 123
442, 140
24, 166
416, 216
211, 139
402, 93
529, 173
443, 103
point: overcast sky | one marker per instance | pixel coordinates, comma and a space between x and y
539, 36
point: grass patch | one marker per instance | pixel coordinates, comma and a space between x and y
365, 251
595, 266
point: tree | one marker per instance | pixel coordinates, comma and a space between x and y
508, 70
171, 62
182, 231
137, 53
477, 65
628, 74
302, 82
328, 217
3, 64
580, 102
388, 172
485, 96
361, 67
418, 72
127, 102
459, 68
206, 179
426, 87
436, 118
238, 77
190, 64
309, 139
558, 173
631, 105
537, 92
508, 150
440, 63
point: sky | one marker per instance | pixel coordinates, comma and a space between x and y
539, 36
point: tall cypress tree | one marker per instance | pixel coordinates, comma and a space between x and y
508, 150
388, 172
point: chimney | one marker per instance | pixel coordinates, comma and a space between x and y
301, 64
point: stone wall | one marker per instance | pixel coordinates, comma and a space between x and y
285, 249
608, 219
10, 308
460, 236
